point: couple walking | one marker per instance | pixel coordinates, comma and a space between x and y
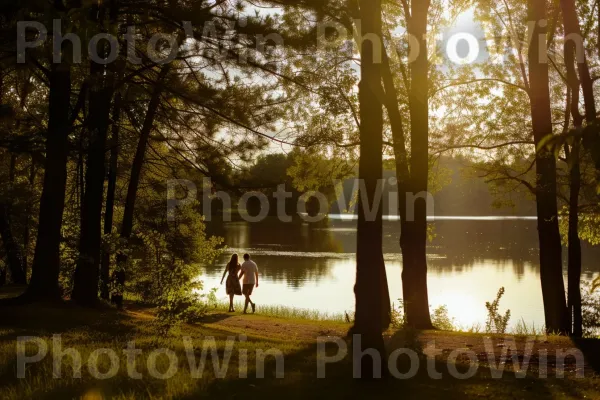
249, 271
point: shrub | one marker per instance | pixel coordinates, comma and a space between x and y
496, 322
165, 258
439, 317
398, 318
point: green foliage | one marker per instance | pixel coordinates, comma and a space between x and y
166, 273
164, 256
313, 171
431, 235
185, 306
301, 171
268, 171
439, 317
442, 320
496, 322
215, 107
589, 227
398, 317
439, 176
590, 304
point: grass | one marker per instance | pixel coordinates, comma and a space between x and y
279, 311
522, 328
294, 336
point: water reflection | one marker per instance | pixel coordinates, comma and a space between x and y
313, 266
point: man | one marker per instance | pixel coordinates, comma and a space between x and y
250, 274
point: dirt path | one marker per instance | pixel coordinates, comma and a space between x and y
276, 328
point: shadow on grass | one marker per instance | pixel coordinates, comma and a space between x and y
300, 379
591, 350
301, 382
39, 320
216, 317
11, 290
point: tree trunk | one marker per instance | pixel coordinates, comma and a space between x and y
413, 239
46, 261
402, 173
80, 178
14, 257
27, 230
573, 29
86, 277
403, 182
136, 168
110, 197
2, 277
573, 158
369, 257
574, 279
553, 287
419, 308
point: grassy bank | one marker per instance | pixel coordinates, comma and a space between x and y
280, 311
441, 319
295, 337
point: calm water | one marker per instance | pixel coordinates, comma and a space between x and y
313, 265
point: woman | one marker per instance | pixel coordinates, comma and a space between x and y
232, 284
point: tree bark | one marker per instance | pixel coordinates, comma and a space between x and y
574, 275
573, 30
110, 197
27, 230
369, 258
86, 276
46, 261
2, 277
400, 153
551, 274
413, 239
418, 315
573, 158
14, 256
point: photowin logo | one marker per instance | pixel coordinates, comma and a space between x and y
204, 358
182, 192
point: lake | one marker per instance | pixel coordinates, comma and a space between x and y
313, 265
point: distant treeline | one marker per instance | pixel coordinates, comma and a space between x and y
462, 194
